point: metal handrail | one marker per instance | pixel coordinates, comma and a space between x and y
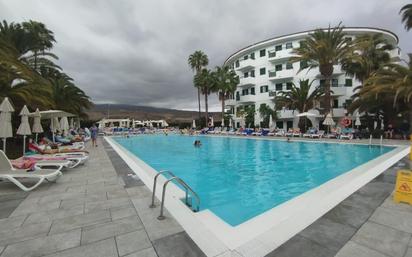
152, 205
186, 186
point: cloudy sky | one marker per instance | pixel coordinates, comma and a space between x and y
135, 52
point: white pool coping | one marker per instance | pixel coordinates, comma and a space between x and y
267, 231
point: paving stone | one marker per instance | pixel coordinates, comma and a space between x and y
148, 252
409, 252
122, 212
301, 246
26, 208
382, 239
399, 220
139, 192
24, 233
104, 248
78, 221
349, 215
104, 205
44, 245
328, 233
110, 229
51, 215
177, 245
132, 242
352, 249
118, 193
390, 204
12, 222
14, 196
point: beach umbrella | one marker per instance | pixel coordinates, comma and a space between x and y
382, 125
37, 128
329, 121
24, 128
242, 123
230, 123
72, 123
6, 129
375, 124
223, 123
64, 125
270, 121
194, 124
357, 121
54, 126
212, 123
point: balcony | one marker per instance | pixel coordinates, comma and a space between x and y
282, 74
247, 99
286, 114
230, 102
247, 82
280, 55
245, 65
339, 90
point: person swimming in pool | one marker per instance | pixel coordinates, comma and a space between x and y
197, 143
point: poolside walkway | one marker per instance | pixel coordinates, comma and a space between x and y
101, 210
95, 210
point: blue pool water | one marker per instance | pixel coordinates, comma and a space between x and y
238, 179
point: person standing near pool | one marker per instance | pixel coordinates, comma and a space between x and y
93, 132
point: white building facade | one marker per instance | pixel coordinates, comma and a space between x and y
264, 71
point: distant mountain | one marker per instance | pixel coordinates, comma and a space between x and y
100, 111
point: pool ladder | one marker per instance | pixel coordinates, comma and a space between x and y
182, 183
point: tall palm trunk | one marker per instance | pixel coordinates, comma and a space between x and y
198, 101
206, 108
327, 95
223, 106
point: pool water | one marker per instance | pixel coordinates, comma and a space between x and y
240, 178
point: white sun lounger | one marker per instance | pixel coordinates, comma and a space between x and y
9, 173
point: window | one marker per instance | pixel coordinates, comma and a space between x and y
335, 103
289, 66
262, 71
237, 96
289, 85
245, 91
252, 56
237, 63
262, 52
335, 83
289, 124
322, 83
279, 87
347, 103
252, 91
278, 67
245, 75
279, 124
289, 45
303, 65
278, 48
272, 54
252, 73
302, 43
348, 82
264, 89
245, 57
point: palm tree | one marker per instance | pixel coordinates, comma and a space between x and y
393, 79
323, 49
300, 98
40, 37
225, 83
370, 53
204, 81
197, 61
407, 16
265, 112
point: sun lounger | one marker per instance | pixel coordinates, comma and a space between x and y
319, 134
280, 133
9, 173
296, 133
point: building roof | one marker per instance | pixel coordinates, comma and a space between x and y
301, 33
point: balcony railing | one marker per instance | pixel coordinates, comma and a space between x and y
272, 74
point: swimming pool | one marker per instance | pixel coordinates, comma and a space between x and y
239, 178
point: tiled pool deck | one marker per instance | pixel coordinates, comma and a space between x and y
101, 209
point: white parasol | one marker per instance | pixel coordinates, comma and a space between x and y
194, 124
24, 128
223, 123
270, 121
6, 129
329, 121
64, 125
37, 128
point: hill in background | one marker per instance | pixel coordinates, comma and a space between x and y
100, 111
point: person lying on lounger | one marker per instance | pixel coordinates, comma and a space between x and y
39, 149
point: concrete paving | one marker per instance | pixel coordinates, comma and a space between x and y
101, 209
97, 209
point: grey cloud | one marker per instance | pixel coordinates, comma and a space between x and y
136, 52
